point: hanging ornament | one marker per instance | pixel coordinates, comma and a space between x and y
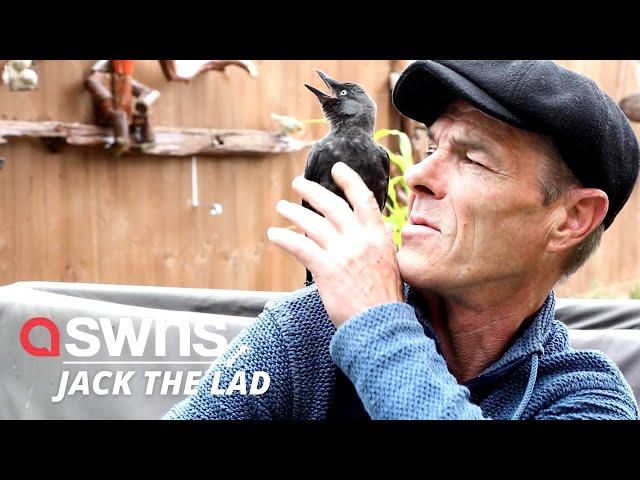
20, 75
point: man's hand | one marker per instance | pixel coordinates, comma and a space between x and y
349, 252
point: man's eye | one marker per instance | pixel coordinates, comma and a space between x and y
474, 163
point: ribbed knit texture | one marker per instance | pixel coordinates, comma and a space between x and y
390, 355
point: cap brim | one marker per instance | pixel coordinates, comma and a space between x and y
425, 89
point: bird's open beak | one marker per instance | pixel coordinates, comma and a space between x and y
321, 95
333, 85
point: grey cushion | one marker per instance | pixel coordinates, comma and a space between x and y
595, 314
29, 382
611, 326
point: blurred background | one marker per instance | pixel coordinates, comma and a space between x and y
80, 213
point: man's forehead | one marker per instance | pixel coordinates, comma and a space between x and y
460, 109
460, 105
478, 123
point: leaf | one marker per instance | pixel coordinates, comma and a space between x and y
381, 133
405, 185
397, 160
391, 194
405, 148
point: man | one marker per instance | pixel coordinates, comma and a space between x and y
528, 164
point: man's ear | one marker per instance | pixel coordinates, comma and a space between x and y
583, 210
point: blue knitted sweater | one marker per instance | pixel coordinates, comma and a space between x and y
385, 363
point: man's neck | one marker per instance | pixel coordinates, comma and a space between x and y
473, 333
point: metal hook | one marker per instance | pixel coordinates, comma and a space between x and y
194, 182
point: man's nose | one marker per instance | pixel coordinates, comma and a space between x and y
428, 177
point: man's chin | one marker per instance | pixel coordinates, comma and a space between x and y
414, 269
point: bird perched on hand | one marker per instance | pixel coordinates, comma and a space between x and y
352, 116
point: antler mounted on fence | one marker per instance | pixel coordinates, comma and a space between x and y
186, 70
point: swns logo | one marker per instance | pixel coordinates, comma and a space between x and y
86, 339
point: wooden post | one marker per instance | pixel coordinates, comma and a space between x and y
416, 131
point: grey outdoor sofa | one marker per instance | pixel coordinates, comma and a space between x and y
29, 383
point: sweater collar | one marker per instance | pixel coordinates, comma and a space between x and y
530, 341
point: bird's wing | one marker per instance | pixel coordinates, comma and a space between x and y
312, 162
386, 165
316, 162
320, 160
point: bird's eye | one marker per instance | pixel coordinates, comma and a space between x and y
343, 92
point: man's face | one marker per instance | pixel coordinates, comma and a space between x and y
476, 211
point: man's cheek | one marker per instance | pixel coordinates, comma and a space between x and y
477, 232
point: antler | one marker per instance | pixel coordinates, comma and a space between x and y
185, 70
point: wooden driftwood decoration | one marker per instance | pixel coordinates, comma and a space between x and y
168, 141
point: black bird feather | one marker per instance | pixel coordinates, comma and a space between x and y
352, 115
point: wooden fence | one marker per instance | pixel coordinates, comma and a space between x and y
83, 215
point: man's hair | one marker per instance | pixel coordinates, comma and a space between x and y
555, 179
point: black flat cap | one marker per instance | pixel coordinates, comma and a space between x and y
590, 131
